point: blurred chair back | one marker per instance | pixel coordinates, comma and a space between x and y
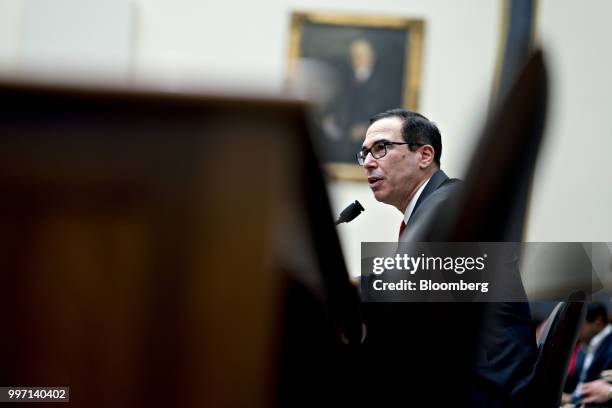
492, 208
555, 345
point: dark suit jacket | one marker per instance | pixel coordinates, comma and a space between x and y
602, 360
439, 192
464, 354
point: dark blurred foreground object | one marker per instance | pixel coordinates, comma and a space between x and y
517, 43
555, 345
159, 250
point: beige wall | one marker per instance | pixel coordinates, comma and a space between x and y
572, 197
10, 27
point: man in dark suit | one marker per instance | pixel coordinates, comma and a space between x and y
596, 357
477, 354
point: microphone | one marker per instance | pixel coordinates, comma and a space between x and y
350, 212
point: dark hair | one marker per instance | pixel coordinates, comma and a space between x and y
416, 129
595, 310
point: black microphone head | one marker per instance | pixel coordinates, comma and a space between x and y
350, 212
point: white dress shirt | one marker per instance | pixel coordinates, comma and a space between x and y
413, 202
588, 359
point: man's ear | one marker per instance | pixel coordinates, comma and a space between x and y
427, 156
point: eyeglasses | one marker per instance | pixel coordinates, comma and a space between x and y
379, 150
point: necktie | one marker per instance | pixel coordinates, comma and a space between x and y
402, 228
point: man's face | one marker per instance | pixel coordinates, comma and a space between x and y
361, 55
394, 177
590, 329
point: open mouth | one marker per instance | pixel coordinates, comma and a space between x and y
374, 181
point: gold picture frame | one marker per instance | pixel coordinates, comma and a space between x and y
364, 44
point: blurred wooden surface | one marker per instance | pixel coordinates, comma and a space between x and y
139, 236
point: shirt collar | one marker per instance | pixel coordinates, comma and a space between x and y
596, 341
413, 202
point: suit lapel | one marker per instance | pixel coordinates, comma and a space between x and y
599, 358
438, 178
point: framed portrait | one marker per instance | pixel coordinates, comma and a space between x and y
366, 65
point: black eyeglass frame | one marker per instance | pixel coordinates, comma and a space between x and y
361, 157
